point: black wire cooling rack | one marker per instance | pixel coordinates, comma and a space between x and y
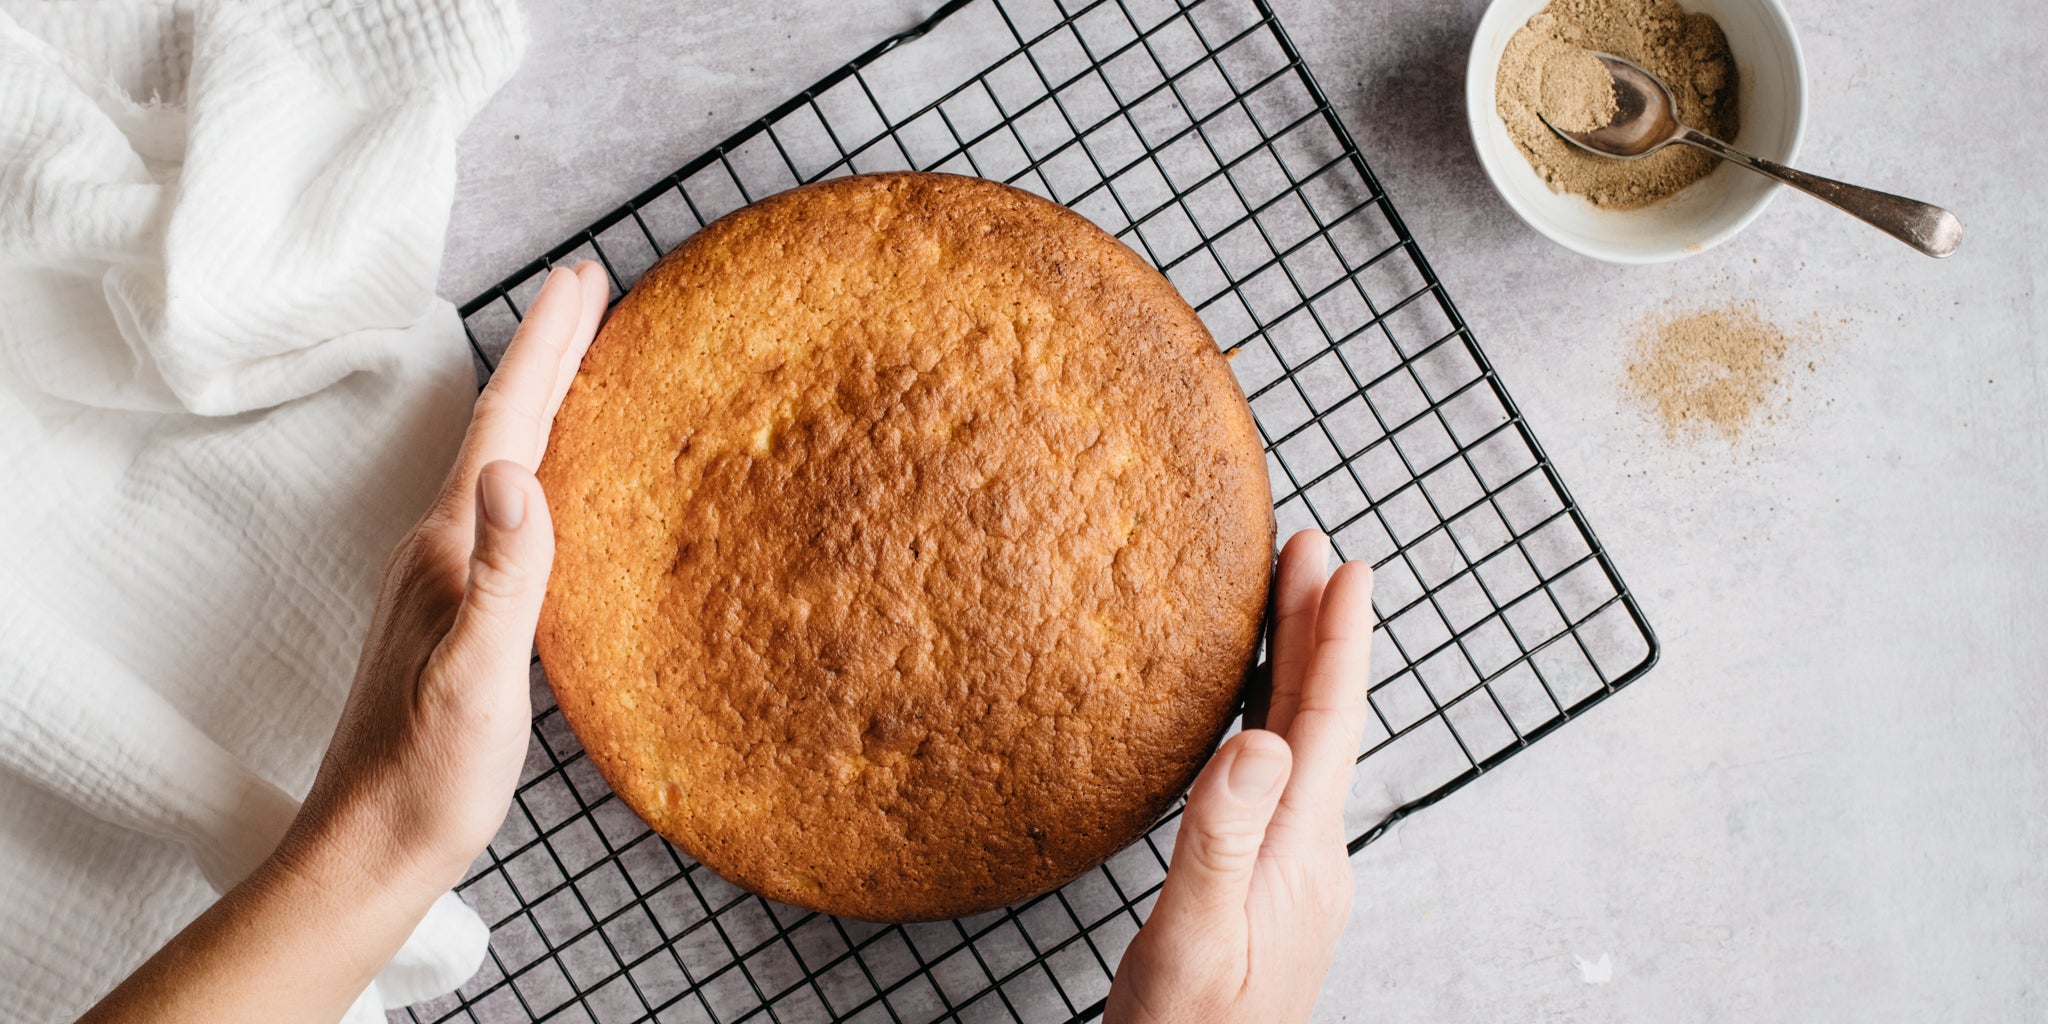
1192, 131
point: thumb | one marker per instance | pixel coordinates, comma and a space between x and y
508, 575
1221, 832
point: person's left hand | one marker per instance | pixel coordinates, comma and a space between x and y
431, 740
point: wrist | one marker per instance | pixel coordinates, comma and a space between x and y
360, 865
298, 939
314, 899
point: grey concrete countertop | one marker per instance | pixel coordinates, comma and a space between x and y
1830, 800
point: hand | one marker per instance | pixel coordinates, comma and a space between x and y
430, 742
1260, 883
431, 738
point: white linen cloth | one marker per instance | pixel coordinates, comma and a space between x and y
226, 387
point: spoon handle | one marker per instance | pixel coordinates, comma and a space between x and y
1925, 227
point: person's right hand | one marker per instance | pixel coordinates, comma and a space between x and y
1260, 883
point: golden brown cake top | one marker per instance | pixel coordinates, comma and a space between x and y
912, 542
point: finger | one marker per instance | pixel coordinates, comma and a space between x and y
508, 423
1304, 569
596, 292
509, 411
1329, 718
1220, 835
492, 635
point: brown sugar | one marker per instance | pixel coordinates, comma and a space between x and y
1708, 371
1543, 71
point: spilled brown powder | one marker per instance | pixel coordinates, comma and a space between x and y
1687, 51
1708, 370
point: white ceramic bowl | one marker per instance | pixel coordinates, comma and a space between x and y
1770, 89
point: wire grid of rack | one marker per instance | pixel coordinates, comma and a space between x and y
1192, 131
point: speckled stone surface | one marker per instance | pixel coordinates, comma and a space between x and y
1828, 801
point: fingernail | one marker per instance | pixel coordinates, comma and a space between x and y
504, 500
1255, 772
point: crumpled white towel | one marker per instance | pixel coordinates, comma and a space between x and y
226, 386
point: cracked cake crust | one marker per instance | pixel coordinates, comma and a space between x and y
913, 541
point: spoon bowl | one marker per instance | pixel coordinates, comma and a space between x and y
1645, 115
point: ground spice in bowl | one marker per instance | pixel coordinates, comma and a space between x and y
1545, 70
1577, 92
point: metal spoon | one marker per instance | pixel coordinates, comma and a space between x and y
1646, 120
